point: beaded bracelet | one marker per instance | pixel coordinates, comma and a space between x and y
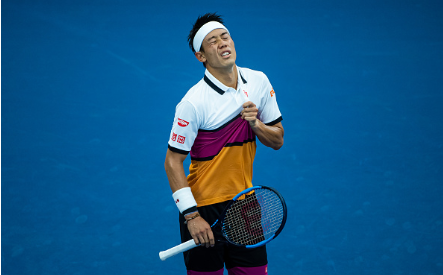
196, 215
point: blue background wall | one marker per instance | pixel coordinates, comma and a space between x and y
89, 90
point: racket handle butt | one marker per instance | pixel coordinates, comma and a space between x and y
177, 249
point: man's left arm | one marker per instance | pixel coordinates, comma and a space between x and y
271, 136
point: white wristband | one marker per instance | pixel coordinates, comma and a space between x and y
184, 199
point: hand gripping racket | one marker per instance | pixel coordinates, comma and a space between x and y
251, 219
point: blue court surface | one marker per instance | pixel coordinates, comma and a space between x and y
89, 90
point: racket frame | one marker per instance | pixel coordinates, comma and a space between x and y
244, 192
219, 222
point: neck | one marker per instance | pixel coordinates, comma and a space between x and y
229, 77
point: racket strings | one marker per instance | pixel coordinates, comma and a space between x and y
253, 219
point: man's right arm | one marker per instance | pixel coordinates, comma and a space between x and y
175, 171
200, 230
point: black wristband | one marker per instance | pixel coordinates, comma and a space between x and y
190, 210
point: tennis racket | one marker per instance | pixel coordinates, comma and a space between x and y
251, 219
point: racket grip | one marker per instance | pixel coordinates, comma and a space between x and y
177, 249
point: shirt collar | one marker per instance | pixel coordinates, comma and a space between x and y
219, 87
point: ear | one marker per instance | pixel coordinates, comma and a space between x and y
200, 56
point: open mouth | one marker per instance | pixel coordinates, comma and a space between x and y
226, 54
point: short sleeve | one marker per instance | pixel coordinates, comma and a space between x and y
184, 129
269, 112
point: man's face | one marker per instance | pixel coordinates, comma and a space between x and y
219, 50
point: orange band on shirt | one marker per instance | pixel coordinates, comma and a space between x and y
224, 176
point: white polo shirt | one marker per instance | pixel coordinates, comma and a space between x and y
222, 145
210, 104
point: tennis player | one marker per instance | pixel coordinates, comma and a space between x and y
217, 122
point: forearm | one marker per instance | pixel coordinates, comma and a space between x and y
181, 193
175, 171
270, 136
198, 228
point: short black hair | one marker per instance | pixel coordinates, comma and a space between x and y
201, 20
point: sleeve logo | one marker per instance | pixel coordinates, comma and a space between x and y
182, 122
181, 139
174, 136
272, 93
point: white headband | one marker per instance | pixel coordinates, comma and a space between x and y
203, 31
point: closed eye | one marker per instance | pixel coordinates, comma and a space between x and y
225, 35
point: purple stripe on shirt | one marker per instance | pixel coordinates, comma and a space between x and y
208, 144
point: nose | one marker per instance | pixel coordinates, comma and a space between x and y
222, 43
